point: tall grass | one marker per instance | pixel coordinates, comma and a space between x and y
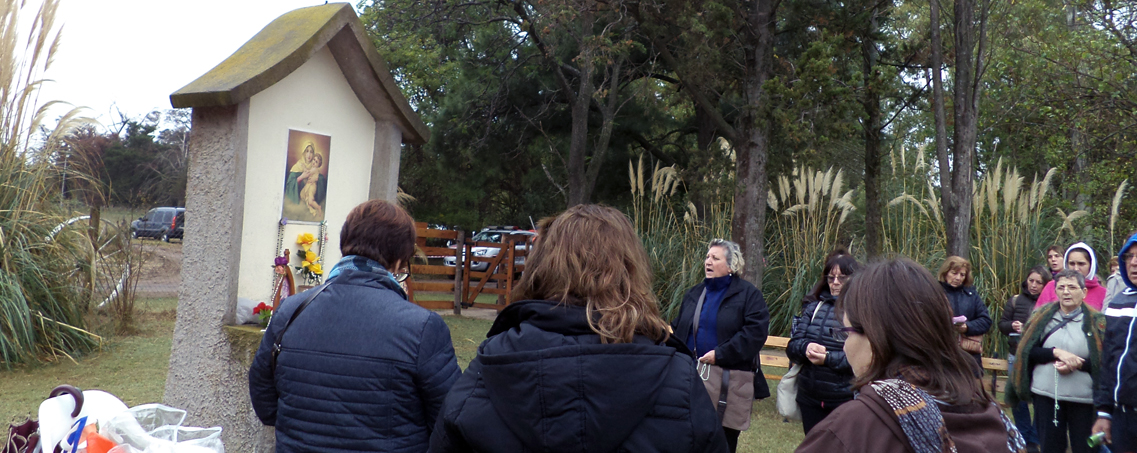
912, 223
1012, 223
42, 311
809, 213
675, 238
1009, 232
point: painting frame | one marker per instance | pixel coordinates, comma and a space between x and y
307, 158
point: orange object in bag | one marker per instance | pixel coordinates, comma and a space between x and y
96, 443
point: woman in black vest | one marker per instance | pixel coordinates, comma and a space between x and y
823, 383
1015, 316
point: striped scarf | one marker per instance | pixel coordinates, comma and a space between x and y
923, 423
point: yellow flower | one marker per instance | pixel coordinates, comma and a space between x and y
306, 240
316, 269
310, 260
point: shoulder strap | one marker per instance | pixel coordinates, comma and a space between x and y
695, 324
280, 336
815, 310
1061, 324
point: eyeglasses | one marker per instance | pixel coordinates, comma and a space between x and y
1128, 257
401, 276
842, 333
839, 278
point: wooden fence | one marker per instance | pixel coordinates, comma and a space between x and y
464, 283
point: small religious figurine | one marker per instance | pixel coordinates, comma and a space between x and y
283, 284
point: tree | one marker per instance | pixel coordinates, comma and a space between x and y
957, 175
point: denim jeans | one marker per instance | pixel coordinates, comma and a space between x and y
1021, 412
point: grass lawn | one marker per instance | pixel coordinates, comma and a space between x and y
134, 367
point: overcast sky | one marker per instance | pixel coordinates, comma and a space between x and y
131, 54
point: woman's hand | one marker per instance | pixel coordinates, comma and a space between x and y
816, 353
1063, 369
1072, 361
708, 358
1017, 326
961, 328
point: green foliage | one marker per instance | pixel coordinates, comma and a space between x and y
43, 302
674, 237
810, 210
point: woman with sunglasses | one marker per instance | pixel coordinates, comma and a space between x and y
916, 387
823, 382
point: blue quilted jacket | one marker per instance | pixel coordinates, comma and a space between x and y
360, 369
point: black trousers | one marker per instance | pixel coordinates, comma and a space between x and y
1075, 420
731, 438
1124, 432
813, 412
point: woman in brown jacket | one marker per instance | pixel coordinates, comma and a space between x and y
918, 392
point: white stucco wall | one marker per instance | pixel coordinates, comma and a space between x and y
315, 98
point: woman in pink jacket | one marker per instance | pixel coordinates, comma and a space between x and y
1081, 258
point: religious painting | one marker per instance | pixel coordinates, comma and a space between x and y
306, 182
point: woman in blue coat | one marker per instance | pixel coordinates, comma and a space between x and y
955, 277
359, 367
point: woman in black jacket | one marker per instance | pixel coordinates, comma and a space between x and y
955, 277
586, 364
733, 323
824, 380
1015, 316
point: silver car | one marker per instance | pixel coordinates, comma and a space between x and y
495, 235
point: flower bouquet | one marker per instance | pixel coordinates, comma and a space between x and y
309, 267
264, 311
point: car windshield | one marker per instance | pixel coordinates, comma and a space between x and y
487, 236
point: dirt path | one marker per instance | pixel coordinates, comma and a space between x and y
161, 268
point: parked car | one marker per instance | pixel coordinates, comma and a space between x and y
499, 235
160, 223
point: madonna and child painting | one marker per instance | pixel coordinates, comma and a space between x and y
306, 184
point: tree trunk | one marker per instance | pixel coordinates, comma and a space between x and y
749, 220
872, 128
956, 184
947, 200
608, 120
578, 144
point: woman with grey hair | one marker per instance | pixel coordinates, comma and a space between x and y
724, 321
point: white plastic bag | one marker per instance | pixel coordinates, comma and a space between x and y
55, 420
155, 428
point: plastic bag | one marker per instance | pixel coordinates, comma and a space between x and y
155, 428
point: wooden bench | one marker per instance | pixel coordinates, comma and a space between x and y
996, 368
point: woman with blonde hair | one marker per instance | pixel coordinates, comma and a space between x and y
725, 321
583, 362
969, 314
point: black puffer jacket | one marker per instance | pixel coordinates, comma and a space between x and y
544, 382
743, 325
828, 383
1018, 309
965, 301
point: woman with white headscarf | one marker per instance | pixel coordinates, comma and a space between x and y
1081, 258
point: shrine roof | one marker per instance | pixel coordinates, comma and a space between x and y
287, 43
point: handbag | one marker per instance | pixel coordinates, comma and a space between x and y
787, 387
971, 343
732, 391
787, 394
